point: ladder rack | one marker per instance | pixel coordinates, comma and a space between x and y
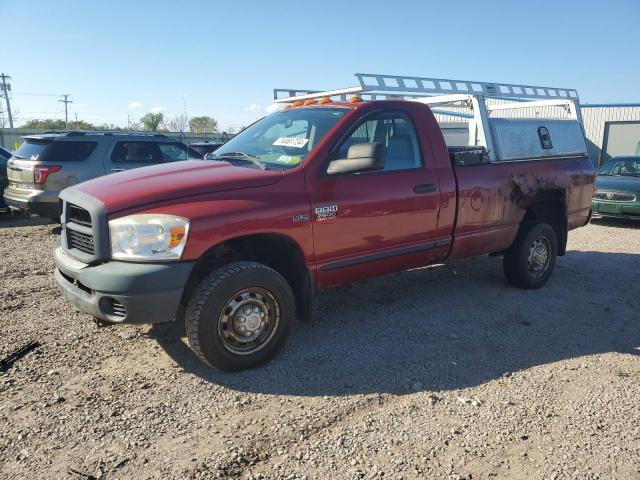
395, 86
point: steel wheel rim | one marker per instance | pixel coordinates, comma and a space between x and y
248, 321
539, 256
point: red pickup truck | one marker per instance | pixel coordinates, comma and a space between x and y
317, 195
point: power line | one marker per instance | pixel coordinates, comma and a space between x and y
36, 94
5, 88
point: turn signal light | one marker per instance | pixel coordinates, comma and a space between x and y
177, 234
41, 172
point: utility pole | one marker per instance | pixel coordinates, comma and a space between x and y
6, 88
66, 102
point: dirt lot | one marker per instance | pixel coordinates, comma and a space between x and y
434, 373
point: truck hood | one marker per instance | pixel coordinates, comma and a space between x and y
159, 183
627, 184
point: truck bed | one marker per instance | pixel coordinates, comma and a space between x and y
493, 198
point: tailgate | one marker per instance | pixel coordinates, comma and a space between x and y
20, 172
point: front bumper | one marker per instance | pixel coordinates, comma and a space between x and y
616, 209
122, 292
39, 202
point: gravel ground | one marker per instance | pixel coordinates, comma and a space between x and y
435, 373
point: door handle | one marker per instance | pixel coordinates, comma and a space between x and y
424, 188
117, 169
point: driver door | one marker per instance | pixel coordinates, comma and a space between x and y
371, 223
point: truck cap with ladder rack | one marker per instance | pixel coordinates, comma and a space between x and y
511, 122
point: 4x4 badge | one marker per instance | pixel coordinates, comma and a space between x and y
300, 218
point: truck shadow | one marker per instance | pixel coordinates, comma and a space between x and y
445, 329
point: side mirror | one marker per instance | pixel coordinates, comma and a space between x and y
362, 157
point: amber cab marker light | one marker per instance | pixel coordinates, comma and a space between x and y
297, 104
355, 100
324, 100
311, 101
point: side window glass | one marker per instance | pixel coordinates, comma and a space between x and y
396, 132
616, 168
132, 152
70, 151
363, 134
173, 152
403, 152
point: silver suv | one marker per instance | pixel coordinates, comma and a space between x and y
46, 164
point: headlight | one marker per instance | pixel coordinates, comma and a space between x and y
148, 238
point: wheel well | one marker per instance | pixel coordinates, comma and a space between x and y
550, 208
275, 251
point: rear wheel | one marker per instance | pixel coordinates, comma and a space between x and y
239, 316
530, 261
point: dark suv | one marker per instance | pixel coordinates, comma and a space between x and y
205, 147
46, 164
4, 157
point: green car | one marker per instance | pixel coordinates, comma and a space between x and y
618, 189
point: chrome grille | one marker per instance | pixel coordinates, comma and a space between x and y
615, 196
80, 241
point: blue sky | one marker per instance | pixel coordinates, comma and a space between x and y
118, 58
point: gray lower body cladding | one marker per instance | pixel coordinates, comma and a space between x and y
123, 292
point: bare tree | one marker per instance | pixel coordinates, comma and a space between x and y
179, 123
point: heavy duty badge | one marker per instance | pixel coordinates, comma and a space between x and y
326, 213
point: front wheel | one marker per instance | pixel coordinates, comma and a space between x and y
529, 262
239, 316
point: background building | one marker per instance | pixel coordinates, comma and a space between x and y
611, 130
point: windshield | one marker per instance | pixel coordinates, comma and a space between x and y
628, 167
32, 149
283, 139
55, 151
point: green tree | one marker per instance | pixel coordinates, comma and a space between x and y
203, 124
82, 125
45, 124
152, 121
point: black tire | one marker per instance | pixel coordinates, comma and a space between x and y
216, 314
530, 261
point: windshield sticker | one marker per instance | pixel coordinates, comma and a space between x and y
288, 160
295, 142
